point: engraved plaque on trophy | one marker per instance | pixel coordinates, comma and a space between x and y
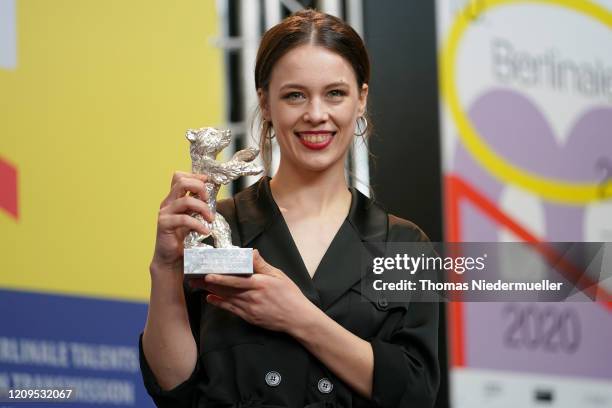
200, 258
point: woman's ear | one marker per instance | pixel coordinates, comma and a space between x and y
263, 104
363, 99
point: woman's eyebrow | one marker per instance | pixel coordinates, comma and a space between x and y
298, 86
336, 84
291, 85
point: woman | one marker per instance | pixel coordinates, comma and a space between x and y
297, 333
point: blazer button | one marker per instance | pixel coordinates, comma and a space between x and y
325, 386
273, 378
382, 302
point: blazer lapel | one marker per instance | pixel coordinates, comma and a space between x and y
262, 226
359, 238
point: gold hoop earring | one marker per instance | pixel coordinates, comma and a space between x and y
361, 126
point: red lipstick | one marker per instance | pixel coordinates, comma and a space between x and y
315, 139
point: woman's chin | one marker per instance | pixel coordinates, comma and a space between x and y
318, 164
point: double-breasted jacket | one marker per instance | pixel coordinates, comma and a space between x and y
242, 365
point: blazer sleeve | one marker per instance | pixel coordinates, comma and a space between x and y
183, 395
406, 367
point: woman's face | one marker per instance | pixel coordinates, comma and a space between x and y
313, 102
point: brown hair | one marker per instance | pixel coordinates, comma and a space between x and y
306, 27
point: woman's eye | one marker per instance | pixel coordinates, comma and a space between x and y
337, 93
294, 96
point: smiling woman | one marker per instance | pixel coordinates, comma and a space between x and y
328, 64
312, 102
298, 332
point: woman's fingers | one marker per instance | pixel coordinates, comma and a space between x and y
238, 282
188, 205
181, 224
224, 291
229, 305
178, 175
174, 220
186, 183
261, 266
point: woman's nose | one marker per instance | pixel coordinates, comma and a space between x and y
316, 112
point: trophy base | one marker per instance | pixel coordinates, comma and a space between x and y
230, 261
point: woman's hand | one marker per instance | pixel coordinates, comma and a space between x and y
168, 343
268, 298
271, 300
174, 221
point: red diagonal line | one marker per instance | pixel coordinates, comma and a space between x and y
457, 189
8, 188
464, 191
455, 309
570, 271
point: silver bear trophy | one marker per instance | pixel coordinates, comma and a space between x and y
200, 258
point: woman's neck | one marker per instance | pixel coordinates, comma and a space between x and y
313, 193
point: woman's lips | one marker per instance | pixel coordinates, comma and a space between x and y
315, 140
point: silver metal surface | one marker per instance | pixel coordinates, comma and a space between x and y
206, 143
234, 261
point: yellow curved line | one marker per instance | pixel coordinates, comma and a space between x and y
549, 188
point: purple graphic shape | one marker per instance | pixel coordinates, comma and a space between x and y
495, 341
514, 128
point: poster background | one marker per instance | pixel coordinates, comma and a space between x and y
95, 100
526, 121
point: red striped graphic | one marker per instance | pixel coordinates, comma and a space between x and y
9, 199
456, 190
